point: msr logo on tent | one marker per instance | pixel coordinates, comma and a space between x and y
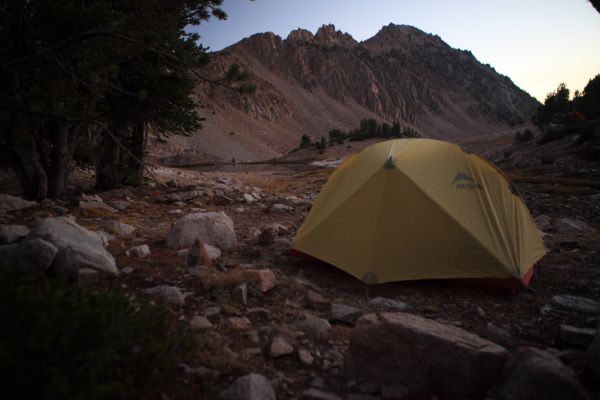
464, 181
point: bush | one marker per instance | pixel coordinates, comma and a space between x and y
524, 137
58, 341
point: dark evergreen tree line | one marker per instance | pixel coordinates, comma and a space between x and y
88, 79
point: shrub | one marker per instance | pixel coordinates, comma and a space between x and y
60, 341
524, 137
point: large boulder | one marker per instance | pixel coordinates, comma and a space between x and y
77, 246
215, 228
424, 355
32, 257
536, 374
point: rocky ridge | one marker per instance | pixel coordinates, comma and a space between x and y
309, 84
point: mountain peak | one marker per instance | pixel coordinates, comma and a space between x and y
327, 35
393, 36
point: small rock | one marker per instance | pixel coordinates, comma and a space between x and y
250, 387
127, 270
215, 228
248, 198
87, 276
94, 205
576, 303
280, 347
316, 394
496, 331
267, 236
316, 328
143, 250
170, 294
263, 279
200, 371
316, 301
118, 228
536, 374
10, 203
383, 303
200, 323
280, 208
31, 257
212, 311
577, 336
305, 356
238, 323
344, 313
12, 233
197, 254
119, 204
543, 222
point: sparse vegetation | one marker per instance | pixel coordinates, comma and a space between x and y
523, 137
59, 341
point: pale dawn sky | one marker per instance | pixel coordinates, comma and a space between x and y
537, 43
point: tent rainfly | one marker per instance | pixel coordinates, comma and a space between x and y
411, 209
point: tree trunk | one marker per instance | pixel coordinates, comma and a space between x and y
59, 160
136, 145
108, 169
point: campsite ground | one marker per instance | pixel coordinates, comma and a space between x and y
512, 319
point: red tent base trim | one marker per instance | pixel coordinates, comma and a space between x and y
511, 284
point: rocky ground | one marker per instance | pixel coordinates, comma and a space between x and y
309, 329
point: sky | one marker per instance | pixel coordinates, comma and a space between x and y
536, 43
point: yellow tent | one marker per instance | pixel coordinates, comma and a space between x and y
421, 209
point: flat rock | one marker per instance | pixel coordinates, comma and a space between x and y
10, 203
280, 347
118, 228
577, 303
280, 208
305, 356
12, 233
32, 257
317, 328
77, 246
572, 226
214, 228
250, 387
382, 303
200, 323
536, 374
90, 205
238, 323
316, 301
170, 294
577, 336
425, 356
344, 313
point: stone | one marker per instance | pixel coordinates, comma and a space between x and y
537, 374
543, 222
382, 303
250, 387
200, 323
170, 294
118, 228
263, 279
572, 226
317, 328
317, 394
185, 196
142, 250
280, 347
200, 371
12, 233
280, 208
248, 198
394, 391
576, 303
577, 336
214, 228
31, 257
592, 359
10, 203
344, 313
316, 301
87, 276
267, 236
305, 356
240, 293
238, 323
119, 204
95, 205
77, 246
425, 356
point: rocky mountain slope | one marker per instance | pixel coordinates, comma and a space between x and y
309, 84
